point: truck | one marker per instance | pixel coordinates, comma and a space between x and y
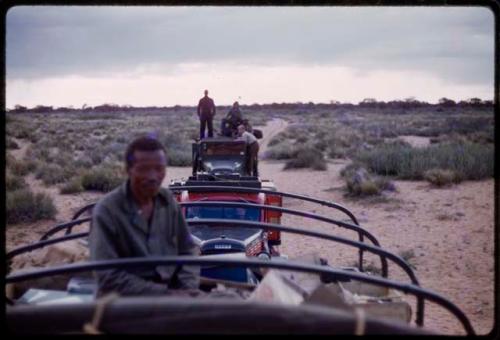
220, 162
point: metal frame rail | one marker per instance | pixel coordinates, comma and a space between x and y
361, 231
338, 274
236, 188
266, 226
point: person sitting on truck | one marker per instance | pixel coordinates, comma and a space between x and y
229, 124
252, 153
139, 219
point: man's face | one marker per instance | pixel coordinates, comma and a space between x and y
241, 129
147, 172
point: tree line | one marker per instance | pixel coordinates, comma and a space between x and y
408, 103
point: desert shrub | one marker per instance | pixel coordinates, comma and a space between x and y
14, 182
25, 206
12, 144
104, 178
18, 130
306, 157
98, 116
116, 149
372, 268
279, 138
409, 256
35, 136
72, 186
51, 174
21, 168
179, 157
283, 150
359, 182
83, 161
335, 151
97, 156
62, 159
440, 177
467, 160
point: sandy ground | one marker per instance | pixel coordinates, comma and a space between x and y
449, 231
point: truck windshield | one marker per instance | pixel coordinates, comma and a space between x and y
251, 214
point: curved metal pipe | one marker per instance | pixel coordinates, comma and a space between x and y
41, 244
376, 250
236, 188
62, 226
251, 263
219, 188
82, 210
361, 231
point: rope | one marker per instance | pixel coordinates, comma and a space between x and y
101, 304
360, 326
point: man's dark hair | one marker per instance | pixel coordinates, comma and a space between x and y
144, 143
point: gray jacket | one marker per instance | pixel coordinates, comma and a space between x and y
119, 231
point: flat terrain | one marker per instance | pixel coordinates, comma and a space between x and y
448, 232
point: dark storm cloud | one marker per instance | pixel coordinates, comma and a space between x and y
455, 44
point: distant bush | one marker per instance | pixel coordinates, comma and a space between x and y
19, 129
283, 150
179, 157
103, 178
359, 182
52, 174
13, 182
83, 162
467, 160
20, 168
279, 138
440, 177
25, 206
73, 186
409, 256
12, 144
306, 157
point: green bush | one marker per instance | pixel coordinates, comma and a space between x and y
18, 130
359, 182
103, 178
409, 256
179, 157
307, 157
21, 168
279, 138
73, 186
283, 150
467, 160
440, 177
51, 174
83, 162
25, 206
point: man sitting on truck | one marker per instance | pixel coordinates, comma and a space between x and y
229, 124
140, 218
252, 153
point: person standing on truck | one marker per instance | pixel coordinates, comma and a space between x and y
206, 113
140, 219
252, 150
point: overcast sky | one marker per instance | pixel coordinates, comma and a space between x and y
75, 55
